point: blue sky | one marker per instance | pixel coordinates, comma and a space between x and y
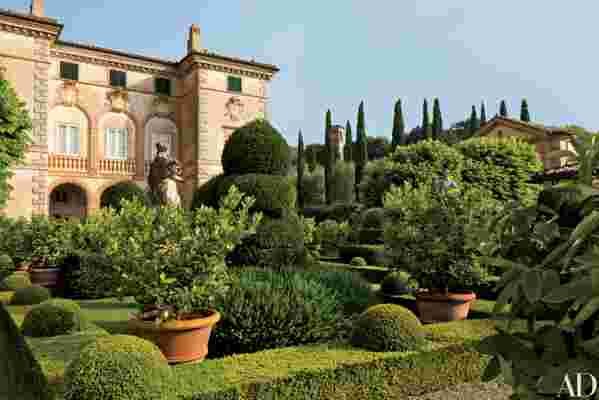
335, 53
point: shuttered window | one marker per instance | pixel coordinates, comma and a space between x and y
163, 86
118, 78
116, 143
234, 84
69, 71
67, 140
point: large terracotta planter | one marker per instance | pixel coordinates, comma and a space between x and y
440, 307
180, 341
47, 277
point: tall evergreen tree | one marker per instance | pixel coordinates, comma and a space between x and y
503, 109
361, 158
349, 142
524, 115
483, 114
398, 126
474, 122
300, 170
426, 120
437, 127
328, 168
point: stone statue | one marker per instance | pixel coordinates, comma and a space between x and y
164, 175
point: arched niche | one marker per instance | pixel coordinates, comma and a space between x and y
61, 117
160, 130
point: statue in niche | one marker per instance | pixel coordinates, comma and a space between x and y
164, 175
234, 109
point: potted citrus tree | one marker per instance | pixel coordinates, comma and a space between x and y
430, 239
172, 261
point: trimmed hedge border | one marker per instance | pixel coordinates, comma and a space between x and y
373, 254
332, 372
371, 273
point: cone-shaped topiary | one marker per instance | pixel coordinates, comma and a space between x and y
30, 295
118, 367
54, 317
388, 327
256, 148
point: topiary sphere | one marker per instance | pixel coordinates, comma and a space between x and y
121, 191
256, 148
388, 327
358, 262
395, 283
118, 367
30, 295
54, 317
374, 218
280, 242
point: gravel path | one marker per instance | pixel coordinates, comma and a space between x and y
470, 391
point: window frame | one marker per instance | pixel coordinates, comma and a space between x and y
118, 73
64, 151
233, 78
157, 87
108, 148
63, 71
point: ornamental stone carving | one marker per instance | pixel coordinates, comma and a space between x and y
70, 93
162, 105
118, 100
234, 109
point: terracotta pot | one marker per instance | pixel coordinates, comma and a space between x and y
23, 267
440, 307
47, 277
180, 341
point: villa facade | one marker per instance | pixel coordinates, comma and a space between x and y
98, 113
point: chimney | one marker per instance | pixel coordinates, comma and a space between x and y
37, 8
193, 43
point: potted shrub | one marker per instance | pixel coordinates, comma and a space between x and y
172, 262
430, 240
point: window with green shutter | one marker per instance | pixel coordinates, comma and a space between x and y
163, 86
69, 71
118, 78
234, 84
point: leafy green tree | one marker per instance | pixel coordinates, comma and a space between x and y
328, 168
474, 122
15, 127
483, 114
426, 120
437, 128
349, 141
398, 127
300, 170
503, 109
524, 114
361, 158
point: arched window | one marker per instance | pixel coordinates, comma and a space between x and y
68, 131
118, 131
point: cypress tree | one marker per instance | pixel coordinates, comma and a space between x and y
503, 109
483, 114
361, 158
524, 115
398, 126
426, 121
300, 170
328, 168
349, 141
437, 128
474, 123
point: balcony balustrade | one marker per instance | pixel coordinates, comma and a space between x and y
116, 167
70, 163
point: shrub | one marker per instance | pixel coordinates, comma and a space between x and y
398, 282
30, 295
281, 242
313, 186
388, 327
343, 181
266, 309
95, 278
256, 148
118, 367
339, 212
16, 281
502, 167
54, 317
358, 262
350, 289
374, 218
7, 266
16, 238
373, 254
125, 190
274, 196
206, 194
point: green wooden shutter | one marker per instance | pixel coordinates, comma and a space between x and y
234, 84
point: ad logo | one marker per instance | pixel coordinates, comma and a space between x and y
575, 388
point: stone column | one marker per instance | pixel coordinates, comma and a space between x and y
93, 152
39, 150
